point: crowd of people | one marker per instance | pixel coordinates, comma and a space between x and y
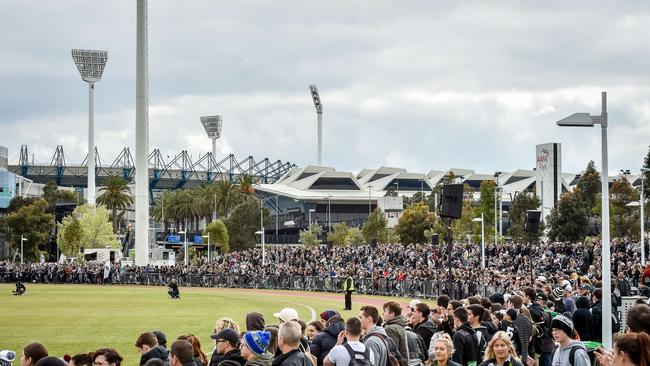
527, 326
508, 266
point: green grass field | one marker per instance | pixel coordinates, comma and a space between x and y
81, 318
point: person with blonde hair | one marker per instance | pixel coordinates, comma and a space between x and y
441, 350
500, 352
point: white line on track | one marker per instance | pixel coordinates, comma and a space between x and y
313, 312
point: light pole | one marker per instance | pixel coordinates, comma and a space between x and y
90, 64
482, 239
208, 236
397, 184
329, 214
310, 211
496, 192
22, 240
185, 251
642, 203
319, 112
587, 120
262, 223
369, 200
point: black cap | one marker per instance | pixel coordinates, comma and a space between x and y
541, 296
227, 334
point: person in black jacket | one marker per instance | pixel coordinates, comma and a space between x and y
582, 319
465, 341
421, 324
289, 343
227, 342
323, 343
597, 316
147, 345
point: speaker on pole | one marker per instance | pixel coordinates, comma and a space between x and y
532, 221
452, 201
435, 239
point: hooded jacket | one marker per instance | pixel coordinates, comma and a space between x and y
582, 319
254, 321
265, 359
157, 352
395, 329
426, 330
232, 358
374, 340
323, 343
580, 357
465, 345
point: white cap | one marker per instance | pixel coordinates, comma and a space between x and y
414, 302
287, 314
541, 279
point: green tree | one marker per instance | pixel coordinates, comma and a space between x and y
53, 195
374, 226
486, 207
218, 232
523, 202
243, 222
413, 222
34, 223
624, 219
115, 194
340, 234
69, 236
569, 219
246, 184
228, 197
356, 236
18, 202
97, 231
309, 236
389, 236
589, 186
391, 192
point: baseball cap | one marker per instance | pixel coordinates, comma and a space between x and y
226, 334
287, 314
541, 296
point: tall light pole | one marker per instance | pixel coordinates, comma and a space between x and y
212, 126
482, 239
141, 139
642, 203
369, 200
310, 211
496, 192
261, 232
587, 120
208, 236
185, 251
329, 213
22, 256
90, 64
319, 113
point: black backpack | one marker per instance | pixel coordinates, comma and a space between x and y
363, 360
572, 354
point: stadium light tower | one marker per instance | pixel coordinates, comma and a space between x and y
90, 64
587, 120
212, 125
319, 112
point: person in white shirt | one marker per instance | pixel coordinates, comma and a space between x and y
340, 356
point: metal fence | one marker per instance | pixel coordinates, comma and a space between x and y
410, 288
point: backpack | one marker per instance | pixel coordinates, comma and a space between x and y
543, 327
393, 357
363, 360
482, 342
572, 353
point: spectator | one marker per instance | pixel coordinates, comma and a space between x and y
288, 342
582, 319
313, 329
200, 358
182, 354
474, 316
522, 324
227, 344
638, 319
254, 321
32, 353
441, 351
286, 315
395, 329
632, 349
422, 326
563, 334
500, 351
254, 348
326, 340
82, 359
161, 337
50, 361
465, 340
376, 339
147, 345
221, 324
106, 357
340, 354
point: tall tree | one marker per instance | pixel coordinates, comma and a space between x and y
218, 235
589, 185
228, 197
569, 219
246, 184
53, 195
115, 194
486, 207
34, 223
340, 234
97, 231
374, 226
69, 236
624, 219
243, 222
413, 222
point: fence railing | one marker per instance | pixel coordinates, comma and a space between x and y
410, 288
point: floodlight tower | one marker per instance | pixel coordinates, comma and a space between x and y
319, 112
212, 125
90, 64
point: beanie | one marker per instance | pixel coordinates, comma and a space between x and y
557, 293
257, 341
327, 314
563, 323
7, 357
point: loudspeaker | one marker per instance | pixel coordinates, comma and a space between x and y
373, 243
329, 244
452, 201
434, 239
532, 221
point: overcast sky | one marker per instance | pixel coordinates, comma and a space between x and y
424, 85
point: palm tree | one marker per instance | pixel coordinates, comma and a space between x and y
206, 202
115, 194
183, 207
161, 209
228, 197
246, 184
